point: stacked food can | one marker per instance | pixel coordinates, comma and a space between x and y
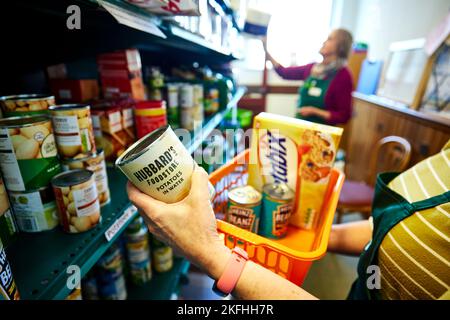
25, 104
138, 252
110, 279
28, 161
83, 186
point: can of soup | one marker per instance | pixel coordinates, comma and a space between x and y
28, 156
8, 228
26, 104
34, 210
244, 208
77, 200
162, 256
160, 166
278, 201
73, 129
198, 105
8, 288
94, 162
110, 279
138, 252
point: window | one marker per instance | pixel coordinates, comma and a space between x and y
296, 32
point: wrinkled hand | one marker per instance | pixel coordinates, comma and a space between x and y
188, 226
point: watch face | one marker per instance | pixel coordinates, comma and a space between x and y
217, 290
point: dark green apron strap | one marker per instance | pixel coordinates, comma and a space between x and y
389, 208
431, 202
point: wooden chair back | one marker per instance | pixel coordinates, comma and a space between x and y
391, 153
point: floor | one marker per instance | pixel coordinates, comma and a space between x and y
329, 278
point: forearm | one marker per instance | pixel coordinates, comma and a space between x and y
350, 238
256, 282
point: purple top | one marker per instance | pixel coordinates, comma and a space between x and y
338, 98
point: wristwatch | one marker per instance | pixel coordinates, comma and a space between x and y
228, 280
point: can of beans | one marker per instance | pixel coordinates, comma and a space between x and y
26, 104
150, 115
28, 156
73, 129
77, 200
8, 288
278, 201
160, 166
110, 280
162, 256
34, 210
138, 252
94, 162
173, 105
244, 208
8, 228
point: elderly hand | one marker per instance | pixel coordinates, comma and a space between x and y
189, 226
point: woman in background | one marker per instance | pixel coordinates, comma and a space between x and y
326, 95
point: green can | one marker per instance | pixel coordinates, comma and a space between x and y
278, 201
28, 156
244, 208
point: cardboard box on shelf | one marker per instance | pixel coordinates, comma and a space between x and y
69, 90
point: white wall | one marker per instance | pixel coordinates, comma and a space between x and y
381, 22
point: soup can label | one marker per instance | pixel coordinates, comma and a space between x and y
111, 281
26, 105
138, 251
28, 157
35, 211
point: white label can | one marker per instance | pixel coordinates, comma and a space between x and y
160, 166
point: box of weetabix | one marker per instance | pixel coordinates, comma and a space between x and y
296, 152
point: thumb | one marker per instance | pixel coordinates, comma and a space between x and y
199, 184
141, 200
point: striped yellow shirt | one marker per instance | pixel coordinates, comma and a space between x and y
414, 257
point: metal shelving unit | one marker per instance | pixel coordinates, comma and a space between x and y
40, 261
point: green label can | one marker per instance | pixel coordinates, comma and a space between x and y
173, 105
278, 201
28, 156
8, 229
244, 208
35, 210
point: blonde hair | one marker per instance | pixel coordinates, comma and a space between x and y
344, 43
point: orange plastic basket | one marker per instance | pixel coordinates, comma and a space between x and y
290, 257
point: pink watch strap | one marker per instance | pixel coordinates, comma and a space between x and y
233, 271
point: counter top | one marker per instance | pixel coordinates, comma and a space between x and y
404, 109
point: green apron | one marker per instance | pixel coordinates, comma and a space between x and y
312, 94
388, 209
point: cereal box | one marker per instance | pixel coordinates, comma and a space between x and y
296, 152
